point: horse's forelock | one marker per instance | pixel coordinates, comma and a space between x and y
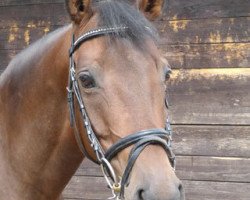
119, 13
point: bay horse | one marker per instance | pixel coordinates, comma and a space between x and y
116, 93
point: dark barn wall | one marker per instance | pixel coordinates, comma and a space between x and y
207, 44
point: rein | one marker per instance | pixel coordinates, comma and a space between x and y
140, 139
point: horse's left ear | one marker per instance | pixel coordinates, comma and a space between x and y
151, 8
78, 9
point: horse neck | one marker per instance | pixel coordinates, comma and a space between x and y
38, 149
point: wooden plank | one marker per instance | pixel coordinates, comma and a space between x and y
198, 56
225, 30
173, 31
210, 96
196, 190
82, 187
5, 57
222, 169
215, 141
174, 9
180, 56
87, 188
227, 55
183, 9
208, 31
6, 3
200, 168
54, 14
18, 38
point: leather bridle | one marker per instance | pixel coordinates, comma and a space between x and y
140, 140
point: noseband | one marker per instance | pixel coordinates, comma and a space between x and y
140, 140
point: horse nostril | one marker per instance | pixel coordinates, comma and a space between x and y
140, 194
180, 187
182, 196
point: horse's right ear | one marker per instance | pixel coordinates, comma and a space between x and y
78, 9
151, 8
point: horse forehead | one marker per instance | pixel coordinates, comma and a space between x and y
115, 55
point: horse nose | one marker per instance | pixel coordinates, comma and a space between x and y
175, 192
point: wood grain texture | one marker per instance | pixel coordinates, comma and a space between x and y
179, 56
225, 30
18, 38
6, 3
196, 190
200, 9
50, 13
5, 58
193, 189
215, 141
210, 96
195, 43
197, 37
174, 9
198, 56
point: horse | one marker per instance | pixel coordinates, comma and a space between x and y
105, 66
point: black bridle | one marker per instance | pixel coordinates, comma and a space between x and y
140, 139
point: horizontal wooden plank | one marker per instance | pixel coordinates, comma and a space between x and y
21, 32
200, 168
54, 14
227, 55
87, 188
209, 31
183, 9
215, 141
18, 38
6, 3
174, 9
196, 190
179, 56
82, 187
222, 169
225, 30
6, 57
210, 96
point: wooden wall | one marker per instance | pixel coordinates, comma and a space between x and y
207, 44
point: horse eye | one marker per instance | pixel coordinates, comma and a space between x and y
87, 81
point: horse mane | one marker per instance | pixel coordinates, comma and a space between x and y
115, 13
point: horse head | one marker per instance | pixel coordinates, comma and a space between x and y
117, 91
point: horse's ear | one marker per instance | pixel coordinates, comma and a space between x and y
78, 9
151, 8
